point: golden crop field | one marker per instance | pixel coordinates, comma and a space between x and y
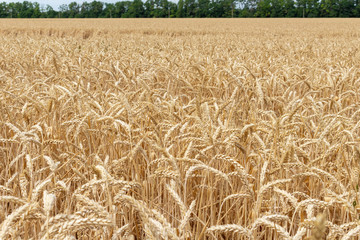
180, 129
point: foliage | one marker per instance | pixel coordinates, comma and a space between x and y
186, 8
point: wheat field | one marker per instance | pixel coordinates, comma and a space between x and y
180, 129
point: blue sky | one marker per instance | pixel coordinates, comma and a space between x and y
56, 3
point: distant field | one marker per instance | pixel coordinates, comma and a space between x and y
180, 129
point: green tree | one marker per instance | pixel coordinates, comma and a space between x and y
74, 10
64, 11
50, 12
313, 8
190, 7
36, 13
108, 11
4, 11
301, 8
85, 10
121, 8
278, 8
328, 8
264, 8
26, 10
186, 8
149, 6
136, 9
290, 10
173, 9
346, 8
96, 9
203, 8
162, 9
180, 10
356, 10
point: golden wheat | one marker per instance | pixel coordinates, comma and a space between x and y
179, 129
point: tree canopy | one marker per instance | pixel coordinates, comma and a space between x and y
185, 9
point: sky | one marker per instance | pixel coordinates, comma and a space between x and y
56, 3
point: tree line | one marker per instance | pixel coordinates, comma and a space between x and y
185, 9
